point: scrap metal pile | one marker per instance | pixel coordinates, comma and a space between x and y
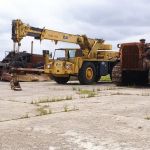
28, 66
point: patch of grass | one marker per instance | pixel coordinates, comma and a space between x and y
42, 111
82, 96
145, 94
68, 98
48, 100
147, 117
82, 91
53, 100
66, 109
106, 88
46, 106
74, 88
105, 78
35, 103
79, 89
120, 93
75, 108
44, 100
49, 111
91, 95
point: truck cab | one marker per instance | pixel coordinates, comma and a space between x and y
65, 62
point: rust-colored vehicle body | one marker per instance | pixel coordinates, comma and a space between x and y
134, 65
132, 56
28, 66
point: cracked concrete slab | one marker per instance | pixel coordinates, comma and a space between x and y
115, 118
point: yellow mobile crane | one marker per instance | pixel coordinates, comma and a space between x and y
92, 60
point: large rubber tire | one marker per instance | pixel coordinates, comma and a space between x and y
112, 65
87, 73
116, 74
61, 80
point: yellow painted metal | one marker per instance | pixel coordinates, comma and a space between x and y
21, 30
92, 49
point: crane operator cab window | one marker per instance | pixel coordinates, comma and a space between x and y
75, 53
71, 53
61, 54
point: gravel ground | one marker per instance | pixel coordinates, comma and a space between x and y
48, 116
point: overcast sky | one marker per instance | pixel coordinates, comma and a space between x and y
113, 20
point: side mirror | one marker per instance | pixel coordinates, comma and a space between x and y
118, 45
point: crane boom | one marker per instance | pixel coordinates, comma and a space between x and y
21, 30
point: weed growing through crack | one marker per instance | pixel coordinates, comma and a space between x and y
25, 116
105, 78
147, 117
75, 108
74, 88
89, 93
145, 94
68, 98
49, 111
35, 103
66, 109
83, 91
42, 111
79, 89
120, 93
48, 100
82, 96
106, 88
46, 106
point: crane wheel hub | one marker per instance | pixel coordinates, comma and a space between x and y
89, 73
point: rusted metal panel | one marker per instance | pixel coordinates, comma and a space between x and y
37, 58
28, 77
23, 63
6, 76
131, 56
28, 70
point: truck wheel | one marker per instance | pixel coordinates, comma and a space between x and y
87, 73
116, 74
61, 80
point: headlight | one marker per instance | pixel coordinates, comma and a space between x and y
48, 66
68, 66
